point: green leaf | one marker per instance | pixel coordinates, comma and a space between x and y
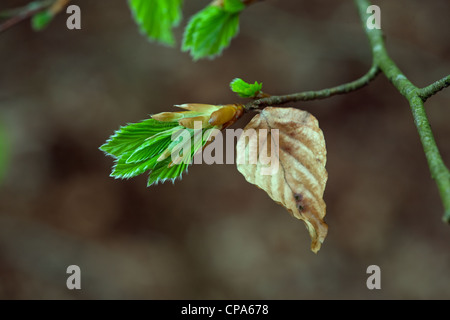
211, 30
156, 18
244, 89
139, 147
125, 170
135, 156
148, 150
233, 6
162, 171
132, 136
41, 20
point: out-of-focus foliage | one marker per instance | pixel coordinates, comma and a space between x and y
156, 18
4, 150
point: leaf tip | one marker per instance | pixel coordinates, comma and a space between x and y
318, 234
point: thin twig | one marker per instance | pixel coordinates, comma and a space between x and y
315, 95
20, 14
415, 96
434, 88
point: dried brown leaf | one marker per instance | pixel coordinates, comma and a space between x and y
298, 183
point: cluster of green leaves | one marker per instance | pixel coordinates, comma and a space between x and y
149, 145
208, 32
244, 89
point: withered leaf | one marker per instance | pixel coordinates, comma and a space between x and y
298, 181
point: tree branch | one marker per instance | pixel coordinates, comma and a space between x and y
434, 88
19, 14
416, 98
315, 95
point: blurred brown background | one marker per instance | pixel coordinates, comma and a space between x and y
213, 235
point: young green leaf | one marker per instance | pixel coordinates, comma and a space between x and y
150, 156
138, 147
124, 170
167, 170
166, 144
41, 20
244, 89
233, 6
132, 136
156, 18
210, 31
